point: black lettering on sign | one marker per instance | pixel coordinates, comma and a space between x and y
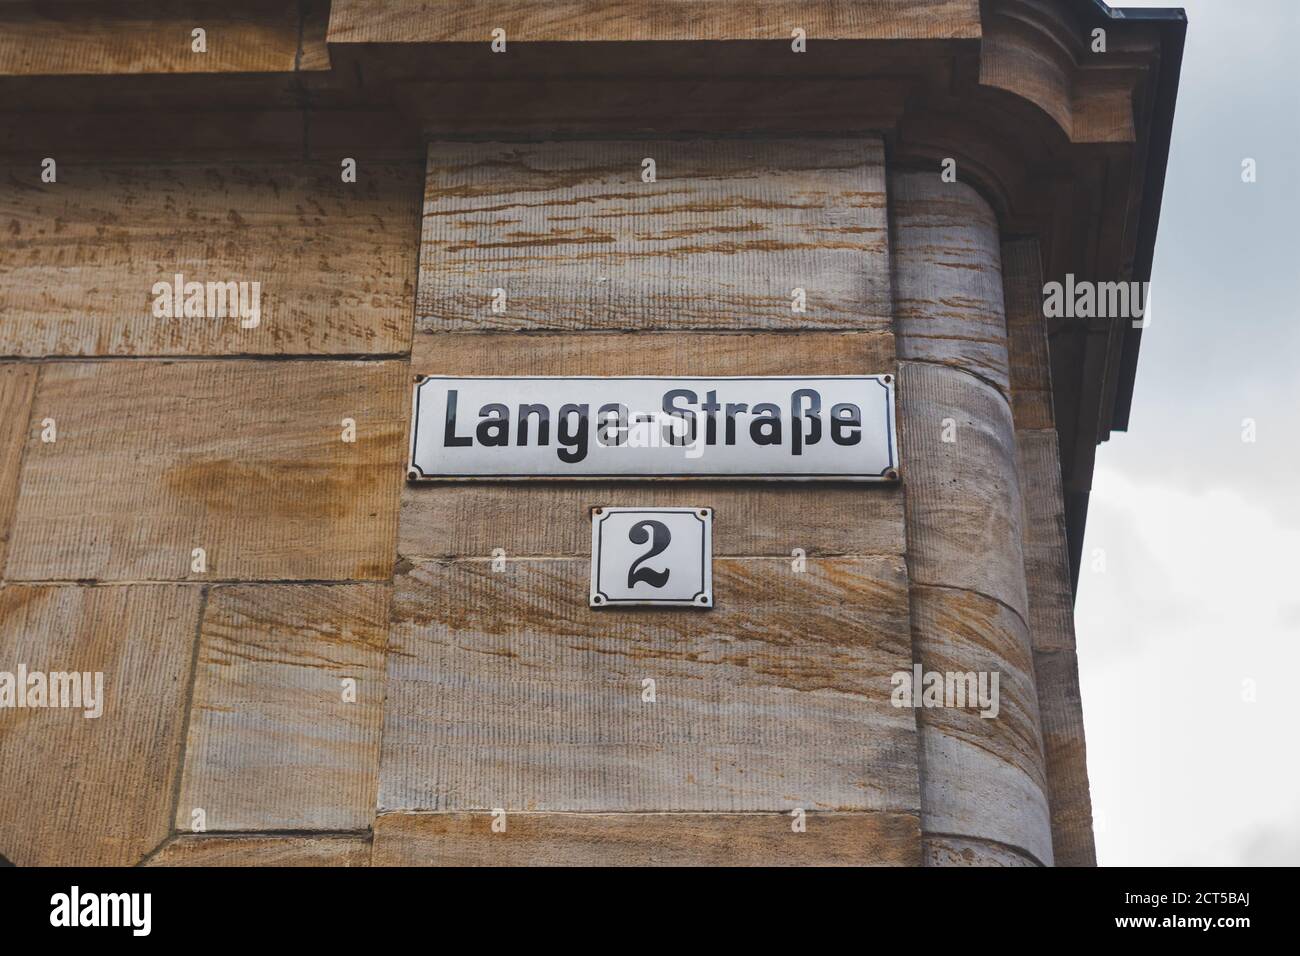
449, 437
640, 534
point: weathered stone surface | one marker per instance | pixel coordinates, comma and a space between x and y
955, 631
17, 386
947, 267
653, 353
880, 838
410, 21
276, 739
964, 509
1047, 558
335, 261
114, 38
969, 792
956, 851
506, 690
1067, 757
217, 850
78, 791
983, 776
1051, 616
466, 520
1031, 371
578, 241
242, 459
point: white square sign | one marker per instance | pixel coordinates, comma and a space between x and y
652, 556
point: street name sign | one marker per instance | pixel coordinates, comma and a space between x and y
795, 428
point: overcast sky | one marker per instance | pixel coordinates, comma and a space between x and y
1200, 531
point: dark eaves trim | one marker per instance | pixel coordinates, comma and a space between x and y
1172, 23
1172, 26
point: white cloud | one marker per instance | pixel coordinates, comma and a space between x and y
1196, 600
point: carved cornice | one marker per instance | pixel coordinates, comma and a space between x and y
1043, 51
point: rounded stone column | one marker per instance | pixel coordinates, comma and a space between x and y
983, 783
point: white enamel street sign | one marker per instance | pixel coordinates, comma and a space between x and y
812, 427
652, 556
